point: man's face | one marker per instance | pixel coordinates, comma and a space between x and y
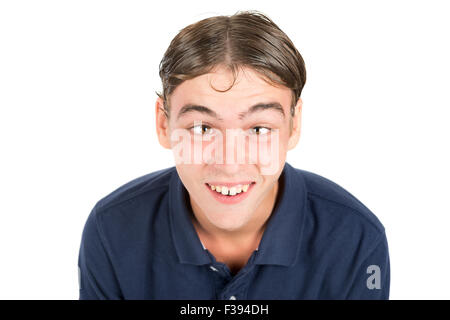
229, 111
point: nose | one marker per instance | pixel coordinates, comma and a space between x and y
231, 151
235, 148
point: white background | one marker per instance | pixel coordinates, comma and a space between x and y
77, 96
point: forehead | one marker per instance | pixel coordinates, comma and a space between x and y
248, 89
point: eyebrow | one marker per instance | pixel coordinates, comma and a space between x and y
255, 108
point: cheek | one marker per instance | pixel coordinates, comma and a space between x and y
190, 175
283, 142
273, 153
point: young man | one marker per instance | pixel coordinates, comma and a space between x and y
227, 222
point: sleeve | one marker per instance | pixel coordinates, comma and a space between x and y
371, 280
96, 276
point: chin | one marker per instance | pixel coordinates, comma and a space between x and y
228, 221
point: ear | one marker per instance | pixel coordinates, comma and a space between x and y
162, 124
296, 125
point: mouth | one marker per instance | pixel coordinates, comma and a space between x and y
230, 193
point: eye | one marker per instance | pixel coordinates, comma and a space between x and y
260, 130
201, 129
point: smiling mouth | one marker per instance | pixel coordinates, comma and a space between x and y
230, 190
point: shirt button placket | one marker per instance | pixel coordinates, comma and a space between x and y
213, 269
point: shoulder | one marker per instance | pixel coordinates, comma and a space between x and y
117, 227
337, 225
342, 235
332, 195
151, 182
336, 210
133, 201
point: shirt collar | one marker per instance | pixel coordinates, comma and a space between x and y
187, 243
281, 239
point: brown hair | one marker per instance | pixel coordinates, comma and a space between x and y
247, 38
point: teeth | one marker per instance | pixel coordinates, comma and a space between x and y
224, 191
232, 191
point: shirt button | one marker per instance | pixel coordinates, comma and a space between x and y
213, 269
232, 298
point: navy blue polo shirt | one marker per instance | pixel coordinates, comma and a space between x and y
320, 243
